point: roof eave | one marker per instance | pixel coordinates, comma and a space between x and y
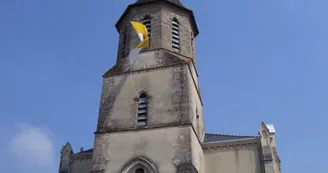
232, 142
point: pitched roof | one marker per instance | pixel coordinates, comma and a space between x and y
271, 128
177, 2
212, 137
88, 151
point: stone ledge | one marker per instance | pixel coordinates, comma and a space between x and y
231, 144
142, 128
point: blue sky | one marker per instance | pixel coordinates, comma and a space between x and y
257, 60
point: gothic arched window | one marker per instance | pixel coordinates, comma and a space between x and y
192, 43
147, 22
175, 35
142, 109
140, 165
197, 115
124, 44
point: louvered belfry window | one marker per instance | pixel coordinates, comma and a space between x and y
175, 36
142, 110
124, 47
147, 22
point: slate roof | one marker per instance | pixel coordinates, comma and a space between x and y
177, 2
212, 137
89, 151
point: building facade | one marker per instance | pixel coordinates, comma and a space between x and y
151, 118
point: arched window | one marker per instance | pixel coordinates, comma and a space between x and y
175, 35
142, 109
140, 165
197, 115
147, 22
140, 170
192, 43
124, 44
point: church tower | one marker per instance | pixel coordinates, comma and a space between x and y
150, 117
151, 114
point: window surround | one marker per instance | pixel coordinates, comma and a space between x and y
142, 108
137, 163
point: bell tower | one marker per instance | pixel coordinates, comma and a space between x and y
150, 117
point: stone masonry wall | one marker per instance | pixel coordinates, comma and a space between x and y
168, 102
169, 149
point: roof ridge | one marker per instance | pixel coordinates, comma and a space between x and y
229, 135
85, 151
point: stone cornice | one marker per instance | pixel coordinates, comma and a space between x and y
143, 128
153, 67
142, 70
231, 144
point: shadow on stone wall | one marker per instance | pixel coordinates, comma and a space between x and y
107, 101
